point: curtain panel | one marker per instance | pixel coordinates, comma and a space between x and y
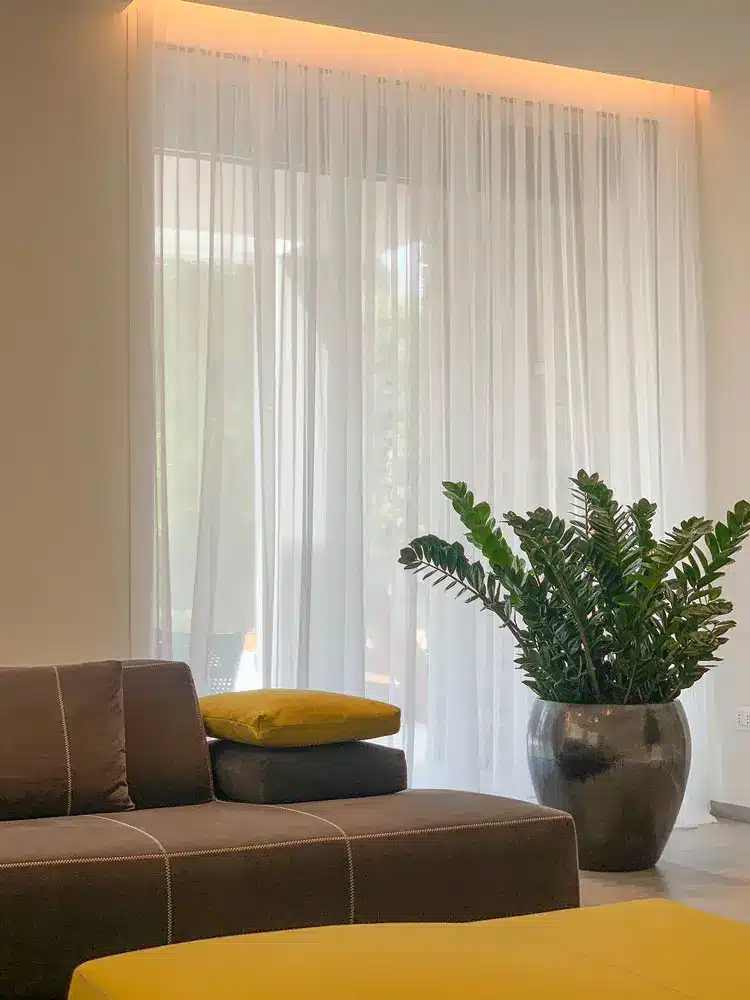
363, 285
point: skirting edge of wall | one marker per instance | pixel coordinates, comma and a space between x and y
729, 810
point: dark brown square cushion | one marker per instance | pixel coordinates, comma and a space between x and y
245, 773
62, 741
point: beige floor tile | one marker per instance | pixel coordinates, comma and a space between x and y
708, 867
734, 903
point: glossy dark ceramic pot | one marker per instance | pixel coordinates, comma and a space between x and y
619, 770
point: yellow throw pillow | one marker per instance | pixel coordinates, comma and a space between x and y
275, 717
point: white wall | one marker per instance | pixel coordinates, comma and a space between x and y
726, 187
64, 543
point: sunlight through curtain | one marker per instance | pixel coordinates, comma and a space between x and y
367, 284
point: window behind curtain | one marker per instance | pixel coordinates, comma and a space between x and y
365, 286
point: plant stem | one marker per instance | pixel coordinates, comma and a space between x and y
579, 625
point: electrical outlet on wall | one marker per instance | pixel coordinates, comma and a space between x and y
743, 718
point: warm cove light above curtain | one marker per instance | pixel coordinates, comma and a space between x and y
379, 264
216, 29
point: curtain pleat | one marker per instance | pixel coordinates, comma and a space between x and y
365, 286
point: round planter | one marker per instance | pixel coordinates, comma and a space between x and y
619, 770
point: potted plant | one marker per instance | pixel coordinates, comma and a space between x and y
611, 626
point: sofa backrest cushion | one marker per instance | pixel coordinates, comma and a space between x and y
167, 754
62, 741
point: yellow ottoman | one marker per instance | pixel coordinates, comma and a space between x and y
632, 951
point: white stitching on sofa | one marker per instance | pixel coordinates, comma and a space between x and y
459, 826
61, 862
489, 824
167, 869
66, 742
349, 855
134, 664
240, 848
197, 853
202, 852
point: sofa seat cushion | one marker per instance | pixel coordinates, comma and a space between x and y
236, 867
97, 885
73, 886
620, 952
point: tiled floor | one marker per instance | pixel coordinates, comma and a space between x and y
708, 867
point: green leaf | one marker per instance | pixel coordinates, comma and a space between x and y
600, 610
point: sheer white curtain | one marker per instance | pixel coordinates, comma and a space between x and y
365, 285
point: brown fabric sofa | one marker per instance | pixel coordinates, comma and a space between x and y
184, 865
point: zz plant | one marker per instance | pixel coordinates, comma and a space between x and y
602, 612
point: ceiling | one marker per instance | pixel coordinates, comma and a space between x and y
700, 43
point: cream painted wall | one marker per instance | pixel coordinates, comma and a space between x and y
726, 188
64, 534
